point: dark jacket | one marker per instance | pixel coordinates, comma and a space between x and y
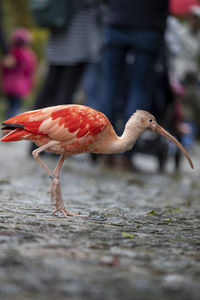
138, 14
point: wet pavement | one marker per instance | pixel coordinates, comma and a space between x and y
141, 239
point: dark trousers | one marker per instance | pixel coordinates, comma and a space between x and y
59, 86
14, 105
118, 42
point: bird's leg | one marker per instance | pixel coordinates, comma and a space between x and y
55, 189
36, 156
56, 194
55, 185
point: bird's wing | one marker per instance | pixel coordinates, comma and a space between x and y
74, 121
61, 123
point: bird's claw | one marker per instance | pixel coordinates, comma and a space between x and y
67, 213
56, 197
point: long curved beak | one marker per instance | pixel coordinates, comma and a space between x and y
166, 134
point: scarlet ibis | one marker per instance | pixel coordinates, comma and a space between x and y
73, 129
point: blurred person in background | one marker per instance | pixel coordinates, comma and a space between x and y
18, 73
136, 27
183, 40
184, 44
68, 52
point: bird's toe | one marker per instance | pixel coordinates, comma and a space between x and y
66, 213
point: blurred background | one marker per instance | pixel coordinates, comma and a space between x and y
141, 239
71, 65
17, 14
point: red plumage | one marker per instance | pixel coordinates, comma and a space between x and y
74, 129
63, 129
67, 121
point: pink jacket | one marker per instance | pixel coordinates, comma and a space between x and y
18, 81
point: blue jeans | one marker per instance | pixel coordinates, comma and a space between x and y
91, 83
118, 42
14, 105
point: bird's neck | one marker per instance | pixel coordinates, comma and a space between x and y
126, 142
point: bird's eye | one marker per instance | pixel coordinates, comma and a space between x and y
150, 120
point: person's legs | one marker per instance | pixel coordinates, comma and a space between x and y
111, 66
14, 105
145, 45
139, 96
146, 49
91, 80
113, 58
70, 78
141, 83
48, 93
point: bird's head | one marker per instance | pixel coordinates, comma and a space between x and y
145, 120
148, 122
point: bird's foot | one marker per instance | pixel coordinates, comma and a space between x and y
67, 213
56, 197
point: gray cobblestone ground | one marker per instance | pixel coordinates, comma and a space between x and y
140, 241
